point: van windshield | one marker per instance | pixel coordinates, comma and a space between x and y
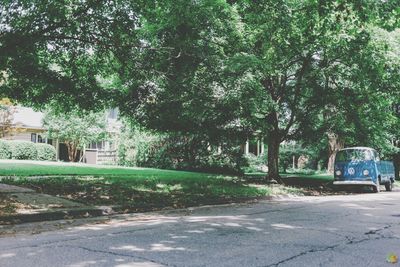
354, 155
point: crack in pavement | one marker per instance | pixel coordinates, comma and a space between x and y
373, 232
302, 254
350, 241
117, 254
270, 211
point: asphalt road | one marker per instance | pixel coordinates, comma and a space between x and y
350, 230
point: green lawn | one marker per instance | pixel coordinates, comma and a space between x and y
304, 180
133, 189
29, 168
301, 178
317, 176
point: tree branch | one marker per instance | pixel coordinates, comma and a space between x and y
301, 72
96, 41
78, 13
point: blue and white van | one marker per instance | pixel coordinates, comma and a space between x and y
362, 166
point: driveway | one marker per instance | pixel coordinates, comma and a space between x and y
349, 230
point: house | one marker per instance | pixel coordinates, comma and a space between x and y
105, 152
26, 125
253, 145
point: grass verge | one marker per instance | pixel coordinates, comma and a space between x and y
134, 189
150, 193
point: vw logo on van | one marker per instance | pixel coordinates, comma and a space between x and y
351, 171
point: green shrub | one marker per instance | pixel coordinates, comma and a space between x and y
256, 164
301, 171
133, 147
45, 152
23, 150
289, 152
5, 150
189, 152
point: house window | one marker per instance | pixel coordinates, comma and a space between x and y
50, 141
97, 145
43, 140
111, 146
33, 137
92, 146
108, 145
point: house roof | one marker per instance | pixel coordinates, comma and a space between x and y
28, 118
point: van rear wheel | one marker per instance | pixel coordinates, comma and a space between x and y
389, 186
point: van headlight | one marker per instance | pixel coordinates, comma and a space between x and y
338, 173
366, 172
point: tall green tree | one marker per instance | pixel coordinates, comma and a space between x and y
75, 129
184, 92
360, 108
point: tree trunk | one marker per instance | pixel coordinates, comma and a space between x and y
274, 141
72, 151
335, 144
396, 162
273, 157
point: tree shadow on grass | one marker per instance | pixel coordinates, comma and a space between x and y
137, 195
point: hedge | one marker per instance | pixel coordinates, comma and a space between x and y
23, 150
5, 149
26, 150
45, 152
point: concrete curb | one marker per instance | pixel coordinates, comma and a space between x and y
100, 211
52, 215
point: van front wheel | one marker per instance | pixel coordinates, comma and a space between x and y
389, 186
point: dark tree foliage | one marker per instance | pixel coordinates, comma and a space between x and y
57, 51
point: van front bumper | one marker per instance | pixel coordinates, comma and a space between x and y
354, 183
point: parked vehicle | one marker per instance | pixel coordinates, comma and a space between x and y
362, 166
